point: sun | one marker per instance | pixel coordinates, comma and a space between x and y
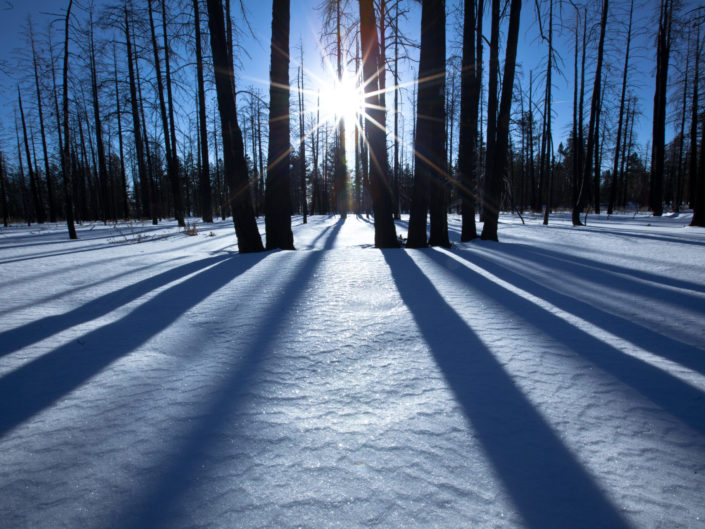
342, 99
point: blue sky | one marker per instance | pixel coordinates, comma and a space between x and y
306, 24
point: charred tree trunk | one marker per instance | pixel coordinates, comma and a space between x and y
663, 49
615, 165
277, 200
470, 86
248, 237
66, 157
204, 178
38, 207
694, 125
47, 171
496, 164
429, 145
587, 168
106, 210
175, 178
385, 231
169, 148
136, 125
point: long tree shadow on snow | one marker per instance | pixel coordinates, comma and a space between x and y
35, 331
38, 384
507, 267
548, 486
678, 398
157, 505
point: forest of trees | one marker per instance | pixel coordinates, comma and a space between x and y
133, 110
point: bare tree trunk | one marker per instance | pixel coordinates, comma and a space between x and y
169, 148
23, 187
204, 179
594, 109
496, 164
47, 171
38, 207
302, 143
699, 206
385, 231
3, 191
102, 165
65, 159
659, 119
176, 184
429, 145
694, 125
277, 201
136, 125
123, 177
248, 237
615, 165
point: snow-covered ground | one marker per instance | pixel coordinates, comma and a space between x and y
154, 379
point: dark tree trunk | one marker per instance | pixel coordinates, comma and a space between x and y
663, 49
248, 237
496, 164
23, 187
699, 206
150, 185
3, 192
429, 145
204, 178
47, 172
470, 85
66, 157
106, 210
587, 168
136, 125
340, 171
579, 184
385, 231
302, 144
277, 199
615, 165
694, 126
176, 184
38, 208
547, 140
169, 147
123, 178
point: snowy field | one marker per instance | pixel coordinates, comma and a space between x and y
151, 379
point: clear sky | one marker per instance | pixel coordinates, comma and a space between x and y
305, 27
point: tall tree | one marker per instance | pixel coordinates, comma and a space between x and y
66, 153
146, 203
620, 122
470, 86
429, 145
302, 141
248, 237
204, 179
123, 178
694, 123
277, 199
106, 210
587, 167
3, 191
176, 184
663, 50
498, 129
47, 172
169, 146
385, 231
33, 177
